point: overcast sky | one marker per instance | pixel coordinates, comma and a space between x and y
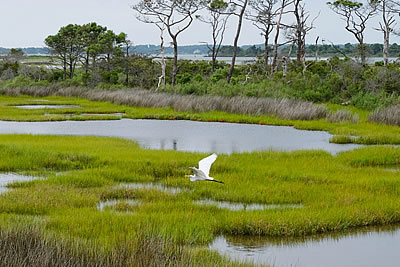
26, 23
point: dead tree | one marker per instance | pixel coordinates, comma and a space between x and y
281, 11
240, 7
356, 16
217, 20
263, 15
388, 8
301, 29
176, 15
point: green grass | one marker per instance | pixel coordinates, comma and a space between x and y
353, 189
338, 192
362, 132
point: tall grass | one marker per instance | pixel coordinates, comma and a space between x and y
343, 115
281, 108
389, 115
30, 246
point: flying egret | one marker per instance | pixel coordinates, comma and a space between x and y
202, 173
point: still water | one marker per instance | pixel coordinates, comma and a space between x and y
371, 247
187, 135
9, 178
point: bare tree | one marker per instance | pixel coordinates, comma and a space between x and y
283, 5
301, 30
240, 7
176, 15
263, 17
356, 16
388, 8
218, 17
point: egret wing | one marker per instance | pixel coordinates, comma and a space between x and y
205, 164
198, 173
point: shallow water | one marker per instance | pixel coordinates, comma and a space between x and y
188, 135
45, 106
167, 189
246, 207
9, 178
370, 247
113, 202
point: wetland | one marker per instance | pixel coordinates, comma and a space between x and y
103, 190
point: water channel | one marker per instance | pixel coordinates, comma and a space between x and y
187, 135
370, 247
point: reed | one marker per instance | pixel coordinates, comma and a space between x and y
282, 108
343, 115
389, 115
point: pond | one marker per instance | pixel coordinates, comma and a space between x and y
188, 135
9, 178
370, 247
151, 186
246, 207
45, 106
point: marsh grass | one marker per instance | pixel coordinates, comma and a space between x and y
30, 246
389, 115
336, 193
366, 132
343, 115
281, 108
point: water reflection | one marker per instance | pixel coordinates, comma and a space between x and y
45, 106
191, 136
246, 207
9, 178
369, 247
159, 187
114, 202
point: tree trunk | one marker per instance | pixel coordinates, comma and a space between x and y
175, 64
161, 79
363, 53
235, 43
65, 71
266, 53
87, 63
386, 47
278, 25
127, 65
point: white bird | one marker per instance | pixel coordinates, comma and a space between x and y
202, 173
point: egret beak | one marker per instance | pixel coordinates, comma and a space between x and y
187, 176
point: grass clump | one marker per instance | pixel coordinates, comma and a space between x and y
389, 115
343, 115
31, 246
282, 108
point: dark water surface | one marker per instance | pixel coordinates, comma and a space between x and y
187, 135
370, 247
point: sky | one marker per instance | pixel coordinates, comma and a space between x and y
26, 23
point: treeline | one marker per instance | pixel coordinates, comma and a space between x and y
325, 50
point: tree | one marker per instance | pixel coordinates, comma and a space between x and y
217, 19
388, 8
14, 56
240, 6
91, 33
263, 17
110, 45
356, 16
301, 28
68, 45
176, 15
281, 11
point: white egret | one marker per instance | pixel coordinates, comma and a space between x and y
202, 173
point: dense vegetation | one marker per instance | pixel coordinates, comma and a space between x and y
334, 80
